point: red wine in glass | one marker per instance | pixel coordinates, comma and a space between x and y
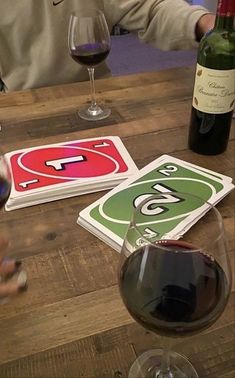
89, 44
5, 181
173, 285
180, 293
90, 54
5, 188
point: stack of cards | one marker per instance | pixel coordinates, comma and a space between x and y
51, 172
108, 218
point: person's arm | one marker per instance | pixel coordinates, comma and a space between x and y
204, 24
166, 24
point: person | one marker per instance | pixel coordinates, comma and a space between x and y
8, 268
33, 35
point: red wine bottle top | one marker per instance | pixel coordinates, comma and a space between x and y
226, 8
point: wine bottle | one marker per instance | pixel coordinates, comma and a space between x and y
214, 86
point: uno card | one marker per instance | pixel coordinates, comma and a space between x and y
109, 217
61, 167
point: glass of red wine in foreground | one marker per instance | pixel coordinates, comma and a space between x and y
89, 45
173, 286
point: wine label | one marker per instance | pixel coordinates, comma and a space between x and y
214, 90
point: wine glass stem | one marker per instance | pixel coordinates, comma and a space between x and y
91, 72
165, 365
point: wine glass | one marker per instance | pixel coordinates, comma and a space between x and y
174, 275
89, 44
18, 275
5, 188
5, 181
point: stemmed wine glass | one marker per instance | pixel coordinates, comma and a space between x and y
174, 276
6, 233
89, 44
5, 188
5, 181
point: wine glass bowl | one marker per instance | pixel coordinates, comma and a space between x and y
5, 188
175, 283
5, 181
89, 45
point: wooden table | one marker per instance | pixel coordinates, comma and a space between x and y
72, 323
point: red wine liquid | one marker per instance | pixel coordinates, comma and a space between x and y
170, 292
4, 191
90, 54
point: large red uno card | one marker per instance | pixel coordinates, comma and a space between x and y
76, 162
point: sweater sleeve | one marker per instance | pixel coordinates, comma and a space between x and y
165, 24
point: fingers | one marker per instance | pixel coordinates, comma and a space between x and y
9, 266
15, 285
12, 279
3, 247
11, 288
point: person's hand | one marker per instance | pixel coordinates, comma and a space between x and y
8, 270
204, 24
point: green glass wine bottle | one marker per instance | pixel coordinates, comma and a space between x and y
214, 87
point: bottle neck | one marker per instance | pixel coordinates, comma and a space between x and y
225, 15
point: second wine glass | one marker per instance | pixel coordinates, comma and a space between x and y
89, 44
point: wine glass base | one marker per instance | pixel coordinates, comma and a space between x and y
148, 365
94, 114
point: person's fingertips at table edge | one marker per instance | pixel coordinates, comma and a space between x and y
12, 288
9, 267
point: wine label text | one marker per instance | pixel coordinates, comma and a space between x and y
214, 90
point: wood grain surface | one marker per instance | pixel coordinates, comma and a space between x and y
71, 322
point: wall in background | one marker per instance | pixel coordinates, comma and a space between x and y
209, 4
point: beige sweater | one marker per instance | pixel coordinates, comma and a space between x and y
33, 35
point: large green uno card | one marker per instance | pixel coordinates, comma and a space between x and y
112, 214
